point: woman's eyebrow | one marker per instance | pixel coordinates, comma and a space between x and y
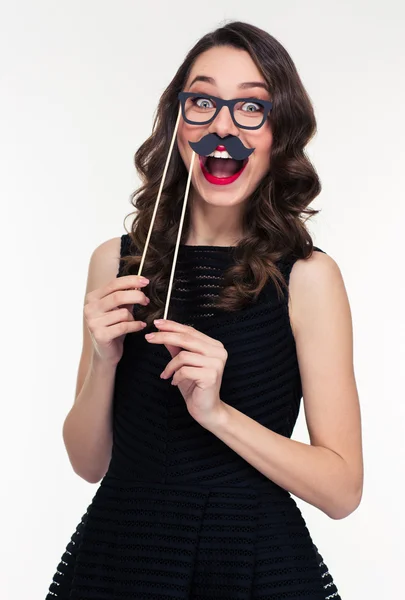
245, 85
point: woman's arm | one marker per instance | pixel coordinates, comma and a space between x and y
87, 429
328, 473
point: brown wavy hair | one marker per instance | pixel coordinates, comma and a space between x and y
276, 212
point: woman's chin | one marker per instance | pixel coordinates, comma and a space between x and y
220, 196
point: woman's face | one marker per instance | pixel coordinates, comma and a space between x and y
228, 68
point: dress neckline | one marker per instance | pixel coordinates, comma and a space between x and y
192, 247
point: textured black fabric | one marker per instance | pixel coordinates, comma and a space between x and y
179, 515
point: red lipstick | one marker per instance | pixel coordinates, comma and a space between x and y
221, 180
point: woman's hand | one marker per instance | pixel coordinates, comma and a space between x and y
108, 315
197, 367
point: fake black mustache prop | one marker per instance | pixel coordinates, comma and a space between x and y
233, 146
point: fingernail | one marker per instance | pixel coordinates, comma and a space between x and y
158, 321
149, 336
143, 280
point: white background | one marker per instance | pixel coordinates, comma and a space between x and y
80, 81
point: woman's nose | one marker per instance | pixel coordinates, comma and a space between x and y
223, 124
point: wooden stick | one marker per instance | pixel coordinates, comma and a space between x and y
159, 193
179, 236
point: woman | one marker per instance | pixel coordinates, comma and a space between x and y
194, 500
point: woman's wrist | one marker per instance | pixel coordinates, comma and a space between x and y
101, 365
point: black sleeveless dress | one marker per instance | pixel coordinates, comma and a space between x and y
179, 515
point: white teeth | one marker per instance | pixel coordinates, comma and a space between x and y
219, 154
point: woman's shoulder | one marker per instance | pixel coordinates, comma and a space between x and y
318, 266
110, 249
316, 286
105, 258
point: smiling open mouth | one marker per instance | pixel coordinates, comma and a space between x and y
222, 171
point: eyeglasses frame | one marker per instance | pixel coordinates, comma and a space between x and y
220, 103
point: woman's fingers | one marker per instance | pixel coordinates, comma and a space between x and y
118, 298
185, 358
108, 315
189, 342
114, 295
126, 282
173, 326
105, 335
111, 317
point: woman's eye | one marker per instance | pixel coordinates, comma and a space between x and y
204, 102
251, 107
